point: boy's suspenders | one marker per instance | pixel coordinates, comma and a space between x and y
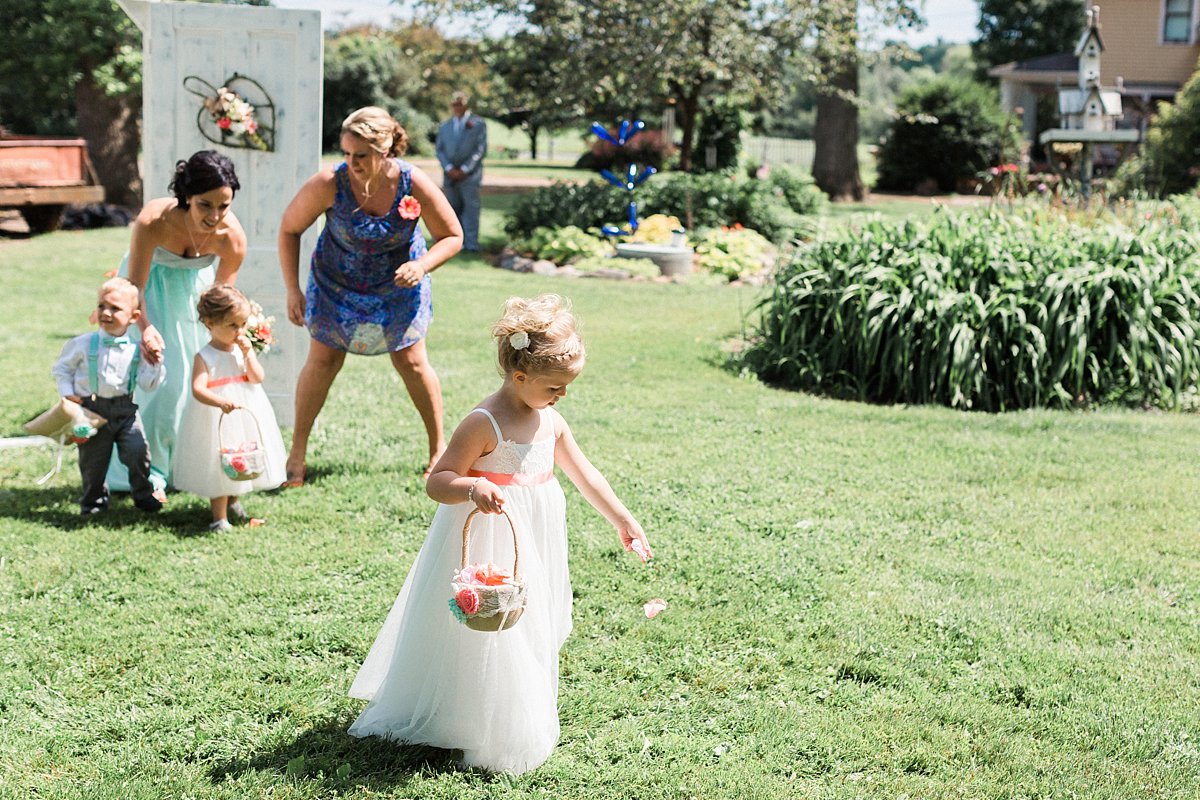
93, 359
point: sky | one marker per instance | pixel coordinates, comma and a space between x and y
951, 20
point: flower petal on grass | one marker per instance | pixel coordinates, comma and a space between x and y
654, 607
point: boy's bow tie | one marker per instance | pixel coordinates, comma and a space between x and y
112, 341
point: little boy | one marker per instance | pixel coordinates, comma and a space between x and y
99, 370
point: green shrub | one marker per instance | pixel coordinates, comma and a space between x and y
991, 311
584, 205
733, 252
948, 130
797, 189
708, 200
1169, 161
721, 128
564, 245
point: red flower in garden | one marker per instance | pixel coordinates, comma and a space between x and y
409, 208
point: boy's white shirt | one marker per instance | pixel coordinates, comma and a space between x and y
112, 368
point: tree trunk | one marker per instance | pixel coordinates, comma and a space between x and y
835, 133
533, 137
689, 109
110, 125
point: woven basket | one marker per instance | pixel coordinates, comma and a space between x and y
243, 464
499, 606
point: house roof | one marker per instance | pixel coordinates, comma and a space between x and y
1088, 33
1074, 101
1049, 71
1058, 62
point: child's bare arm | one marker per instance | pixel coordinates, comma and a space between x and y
254, 370
596, 489
448, 481
200, 389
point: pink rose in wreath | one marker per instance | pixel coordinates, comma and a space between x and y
409, 208
224, 123
468, 600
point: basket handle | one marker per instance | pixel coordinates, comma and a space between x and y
467, 539
221, 423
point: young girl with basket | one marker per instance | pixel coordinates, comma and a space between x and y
468, 657
229, 442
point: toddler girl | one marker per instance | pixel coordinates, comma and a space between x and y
226, 376
494, 695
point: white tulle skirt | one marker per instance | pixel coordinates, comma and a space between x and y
433, 680
196, 467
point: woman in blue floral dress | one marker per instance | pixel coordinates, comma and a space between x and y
368, 285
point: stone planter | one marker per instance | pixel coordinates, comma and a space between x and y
671, 259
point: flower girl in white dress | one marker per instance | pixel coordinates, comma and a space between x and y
226, 376
494, 695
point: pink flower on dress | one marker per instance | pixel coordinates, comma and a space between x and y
468, 600
409, 208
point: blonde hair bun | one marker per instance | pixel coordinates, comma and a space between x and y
379, 129
538, 334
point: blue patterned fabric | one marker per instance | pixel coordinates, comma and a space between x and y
352, 303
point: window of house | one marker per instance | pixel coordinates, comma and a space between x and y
1177, 21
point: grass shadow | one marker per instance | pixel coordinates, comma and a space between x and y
58, 507
331, 759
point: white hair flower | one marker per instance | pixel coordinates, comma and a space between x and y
519, 340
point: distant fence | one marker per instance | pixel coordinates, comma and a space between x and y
770, 150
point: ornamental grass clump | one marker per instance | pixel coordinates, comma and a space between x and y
990, 311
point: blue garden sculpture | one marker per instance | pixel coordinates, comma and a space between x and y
632, 179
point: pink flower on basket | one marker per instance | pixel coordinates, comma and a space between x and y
468, 600
484, 575
409, 208
238, 463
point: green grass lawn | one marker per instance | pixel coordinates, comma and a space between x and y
865, 601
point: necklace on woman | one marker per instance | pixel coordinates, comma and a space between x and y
203, 241
366, 190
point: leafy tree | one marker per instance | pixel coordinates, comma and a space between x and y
946, 130
622, 56
442, 67
86, 56
533, 87
1015, 30
74, 66
1169, 162
364, 68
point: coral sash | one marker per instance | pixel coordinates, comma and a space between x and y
512, 478
223, 381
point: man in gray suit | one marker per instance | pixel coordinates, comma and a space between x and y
461, 144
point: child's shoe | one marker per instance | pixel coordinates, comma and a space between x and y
219, 526
150, 505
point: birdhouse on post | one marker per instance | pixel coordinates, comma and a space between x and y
1088, 106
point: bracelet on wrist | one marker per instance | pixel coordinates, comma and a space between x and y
471, 489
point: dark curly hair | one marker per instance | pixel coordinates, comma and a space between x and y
204, 171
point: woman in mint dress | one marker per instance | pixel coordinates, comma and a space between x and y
368, 284
179, 246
